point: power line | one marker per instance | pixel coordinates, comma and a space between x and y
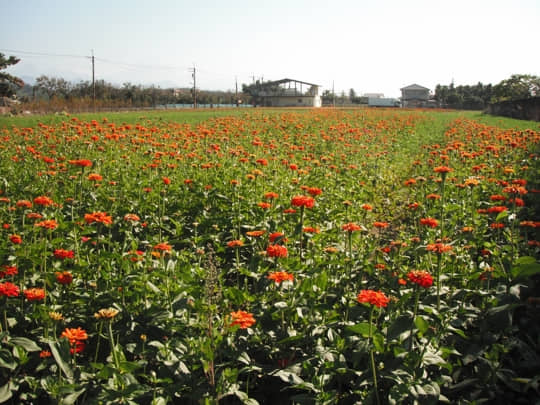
44, 54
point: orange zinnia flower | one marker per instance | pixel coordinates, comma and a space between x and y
235, 243
63, 254
380, 224
43, 200
280, 276
442, 169
277, 235
15, 239
271, 195
48, 223
34, 294
163, 247
431, 222
351, 227
276, 251
80, 162
438, 248
377, 298
420, 277
94, 177
255, 234
74, 335
303, 201
101, 217
24, 203
131, 217
64, 277
8, 289
243, 319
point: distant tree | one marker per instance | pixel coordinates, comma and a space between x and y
327, 97
8, 83
517, 87
352, 95
53, 86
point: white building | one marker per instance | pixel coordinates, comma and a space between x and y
289, 93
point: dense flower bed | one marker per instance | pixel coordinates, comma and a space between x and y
307, 257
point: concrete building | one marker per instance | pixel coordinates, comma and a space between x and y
414, 96
289, 93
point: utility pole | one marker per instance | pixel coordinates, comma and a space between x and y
333, 95
236, 91
93, 83
194, 75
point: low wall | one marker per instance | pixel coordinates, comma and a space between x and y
526, 109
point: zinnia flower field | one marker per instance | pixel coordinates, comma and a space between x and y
271, 257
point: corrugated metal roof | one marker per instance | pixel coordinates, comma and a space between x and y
414, 87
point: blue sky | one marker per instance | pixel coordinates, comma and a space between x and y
373, 46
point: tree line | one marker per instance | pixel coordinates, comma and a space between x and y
55, 94
479, 96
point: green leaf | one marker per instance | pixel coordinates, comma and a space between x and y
378, 342
5, 393
62, 356
526, 267
25, 343
359, 329
72, 398
288, 377
501, 216
421, 324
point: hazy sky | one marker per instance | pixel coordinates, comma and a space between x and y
373, 46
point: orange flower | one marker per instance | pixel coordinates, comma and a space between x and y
43, 200
420, 277
8, 289
101, 217
367, 207
166, 181
276, 251
277, 235
442, 169
15, 239
8, 271
131, 217
351, 227
439, 248
377, 298
64, 277
165, 247
314, 191
24, 204
280, 276
433, 196
255, 234
378, 224
264, 205
431, 222
271, 195
74, 335
48, 224
235, 243
243, 319
303, 201
34, 294
80, 162
311, 229
63, 254
94, 177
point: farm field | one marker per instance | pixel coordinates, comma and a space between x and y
270, 256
